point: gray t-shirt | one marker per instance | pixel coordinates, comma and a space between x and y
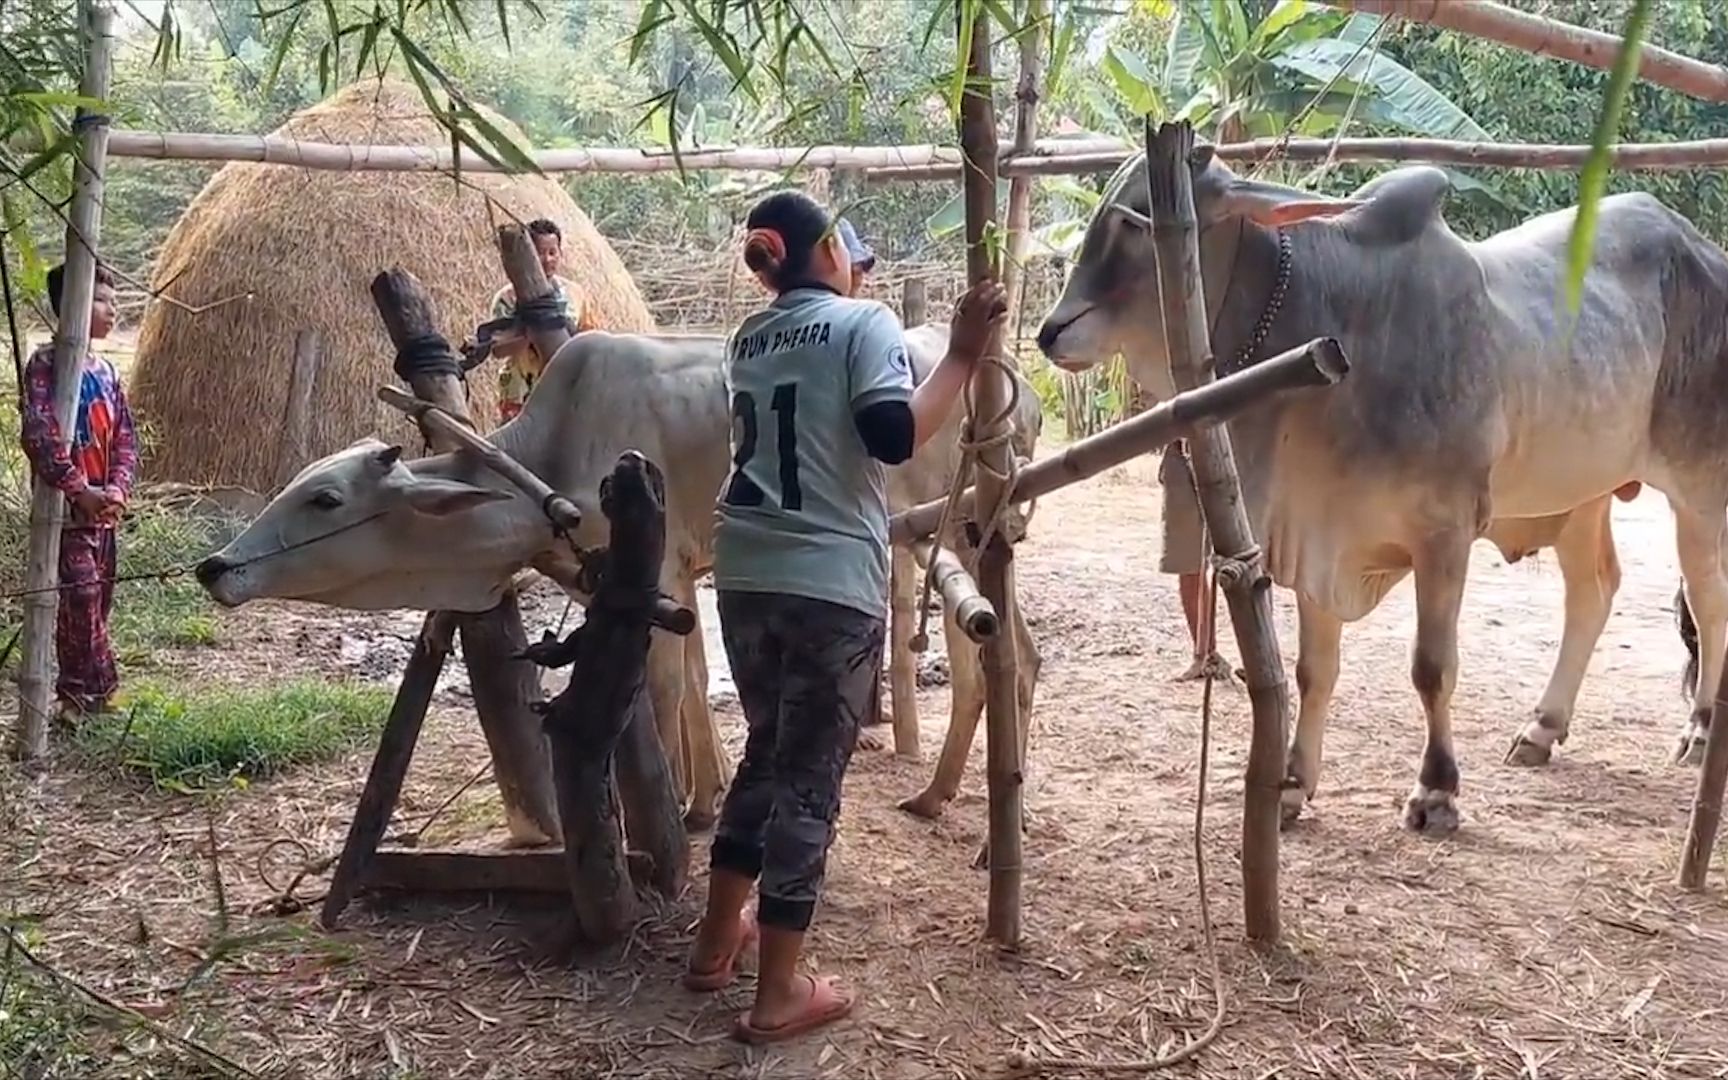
805, 510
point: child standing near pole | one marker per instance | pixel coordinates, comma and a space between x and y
822, 399
94, 469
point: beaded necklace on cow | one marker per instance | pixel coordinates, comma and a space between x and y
1274, 302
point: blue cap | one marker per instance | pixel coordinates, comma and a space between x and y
855, 247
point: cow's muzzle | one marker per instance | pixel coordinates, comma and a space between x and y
211, 570
1051, 331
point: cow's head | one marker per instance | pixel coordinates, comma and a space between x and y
1110, 304
362, 529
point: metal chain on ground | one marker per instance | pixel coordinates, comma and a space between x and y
1025, 1065
971, 460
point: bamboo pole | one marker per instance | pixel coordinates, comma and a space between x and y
886, 164
1316, 364
1241, 571
991, 394
974, 614
294, 447
1543, 36
1706, 817
1032, 36
1692, 154
71, 345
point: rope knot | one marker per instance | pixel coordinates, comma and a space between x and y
1233, 570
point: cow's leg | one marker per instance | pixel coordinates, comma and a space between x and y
1319, 636
666, 674
1699, 539
706, 755
902, 664
966, 687
1441, 565
1591, 569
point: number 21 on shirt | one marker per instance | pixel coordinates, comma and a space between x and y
743, 491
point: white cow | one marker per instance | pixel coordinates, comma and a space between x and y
363, 529
1475, 408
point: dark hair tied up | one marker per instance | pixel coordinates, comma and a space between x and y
784, 230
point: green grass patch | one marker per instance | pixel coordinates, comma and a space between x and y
226, 737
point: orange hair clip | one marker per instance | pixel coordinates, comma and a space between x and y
770, 239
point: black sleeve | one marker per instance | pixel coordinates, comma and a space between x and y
886, 428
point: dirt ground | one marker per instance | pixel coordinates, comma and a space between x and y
1545, 939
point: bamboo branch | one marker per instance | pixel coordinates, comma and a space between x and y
1318, 363
1542, 36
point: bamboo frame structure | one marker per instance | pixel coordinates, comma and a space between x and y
1542, 36
48, 508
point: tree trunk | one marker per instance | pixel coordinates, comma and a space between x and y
991, 393
1707, 802
652, 821
71, 345
295, 446
505, 687
1242, 573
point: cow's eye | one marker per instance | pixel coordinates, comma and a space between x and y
326, 500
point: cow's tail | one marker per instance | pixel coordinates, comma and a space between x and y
1688, 638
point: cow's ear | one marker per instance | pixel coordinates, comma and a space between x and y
1201, 156
1292, 213
443, 497
387, 457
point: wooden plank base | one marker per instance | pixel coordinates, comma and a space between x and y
461, 870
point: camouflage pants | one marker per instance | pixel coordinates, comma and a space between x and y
805, 671
86, 660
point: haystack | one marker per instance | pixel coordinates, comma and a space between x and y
299, 249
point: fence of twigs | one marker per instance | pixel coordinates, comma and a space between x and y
708, 290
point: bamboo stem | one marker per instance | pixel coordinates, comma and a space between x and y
974, 614
1542, 36
1316, 364
1176, 234
991, 391
887, 164
71, 345
1706, 817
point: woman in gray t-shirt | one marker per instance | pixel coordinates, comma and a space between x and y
822, 399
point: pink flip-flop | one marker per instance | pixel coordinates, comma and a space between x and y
720, 978
826, 1004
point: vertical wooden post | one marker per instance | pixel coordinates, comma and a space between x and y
71, 344
1032, 36
505, 686
390, 763
1242, 574
914, 302
1707, 802
295, 446
991, 393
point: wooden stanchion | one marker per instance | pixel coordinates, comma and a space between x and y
1241, 569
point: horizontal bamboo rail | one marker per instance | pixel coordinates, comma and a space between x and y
1319, 363
895, 163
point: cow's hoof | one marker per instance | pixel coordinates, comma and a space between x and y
926, 804
1527, 754
1690, 750
1291, 801
872, 741
1433, 812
